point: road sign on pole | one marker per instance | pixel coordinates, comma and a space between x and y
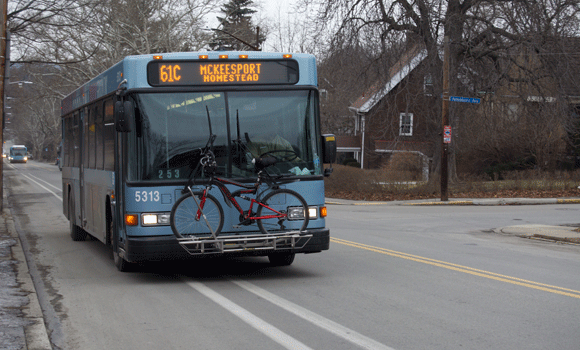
447, 134
464, 99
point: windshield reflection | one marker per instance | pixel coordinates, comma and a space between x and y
172, 127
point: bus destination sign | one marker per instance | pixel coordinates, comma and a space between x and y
238, 72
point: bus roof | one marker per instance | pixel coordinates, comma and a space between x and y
134, 70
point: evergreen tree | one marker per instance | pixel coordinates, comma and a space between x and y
236, 30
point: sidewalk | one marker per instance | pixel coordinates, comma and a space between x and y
21, 320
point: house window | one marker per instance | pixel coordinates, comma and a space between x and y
406, 124
512, 111
428, 85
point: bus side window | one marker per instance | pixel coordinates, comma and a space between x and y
109, 135
76, 141
92, 139
65, 153
99, 136
86, 138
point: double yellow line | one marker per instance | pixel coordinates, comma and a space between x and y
459, 268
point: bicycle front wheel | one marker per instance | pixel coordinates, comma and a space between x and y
188, 219
288, 210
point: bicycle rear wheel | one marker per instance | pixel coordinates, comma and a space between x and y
287, 202
184, 216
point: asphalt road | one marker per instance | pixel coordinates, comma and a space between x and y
396, 277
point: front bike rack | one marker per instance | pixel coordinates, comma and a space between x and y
244, 243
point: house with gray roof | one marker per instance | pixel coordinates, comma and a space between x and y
395, 115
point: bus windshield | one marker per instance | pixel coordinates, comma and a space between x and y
18, 151
172, 127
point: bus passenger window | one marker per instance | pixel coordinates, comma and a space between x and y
109, 136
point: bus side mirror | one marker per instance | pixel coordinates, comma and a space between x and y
328, 148
124, 116
328, 152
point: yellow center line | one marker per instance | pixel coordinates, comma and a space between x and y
465, 269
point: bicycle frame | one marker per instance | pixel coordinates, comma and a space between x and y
208, 160
220, 183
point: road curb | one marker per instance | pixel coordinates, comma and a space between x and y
35, 332
443, 203
504, 201
479, 201
563, 234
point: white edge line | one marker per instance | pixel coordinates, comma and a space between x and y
54, 194
47, 183
320, 321
267, 329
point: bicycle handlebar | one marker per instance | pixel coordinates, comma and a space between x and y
262, 163
208, 157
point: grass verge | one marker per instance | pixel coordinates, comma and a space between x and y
384, 185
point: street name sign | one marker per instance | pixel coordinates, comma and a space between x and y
464, 99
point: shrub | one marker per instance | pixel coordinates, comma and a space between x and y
351, 162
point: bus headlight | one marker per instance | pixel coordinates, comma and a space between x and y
312, 213
297, 213
155, 219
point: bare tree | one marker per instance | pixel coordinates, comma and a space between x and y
292, 32
64, 43
483, 35
33, 110
35, 26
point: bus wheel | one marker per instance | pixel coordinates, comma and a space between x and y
281, 259
76, 232
121, 264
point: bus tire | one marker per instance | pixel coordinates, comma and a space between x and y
281, 259
112, 239
121, 264
76, 233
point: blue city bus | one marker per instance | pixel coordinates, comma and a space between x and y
18, 154
131, 134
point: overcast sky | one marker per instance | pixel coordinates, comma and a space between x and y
269, 8
270, 12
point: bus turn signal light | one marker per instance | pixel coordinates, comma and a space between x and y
131, 220
323, 212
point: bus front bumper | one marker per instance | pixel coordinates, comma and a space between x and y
160, 248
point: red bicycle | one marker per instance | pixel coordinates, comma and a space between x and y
274, 210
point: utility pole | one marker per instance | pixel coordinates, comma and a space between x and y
3, 69
445, 125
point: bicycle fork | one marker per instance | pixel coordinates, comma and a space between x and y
200, 205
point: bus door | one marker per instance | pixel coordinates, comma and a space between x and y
120, 142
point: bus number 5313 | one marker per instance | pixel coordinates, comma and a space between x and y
147, 196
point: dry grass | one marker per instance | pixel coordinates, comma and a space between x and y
385, 184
